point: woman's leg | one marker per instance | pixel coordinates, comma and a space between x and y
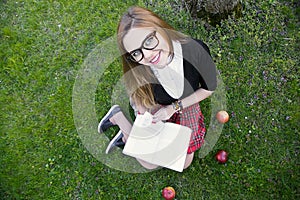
188, 160
123, 123
125, 126
146, 164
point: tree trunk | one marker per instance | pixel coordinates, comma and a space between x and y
213, 11
211, 6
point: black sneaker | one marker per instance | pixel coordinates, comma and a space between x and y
105, 123
115, 142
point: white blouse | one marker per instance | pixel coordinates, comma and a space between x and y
171, 77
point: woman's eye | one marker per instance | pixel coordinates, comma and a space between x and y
149, 41
136, 54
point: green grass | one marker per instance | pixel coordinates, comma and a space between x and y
44, 44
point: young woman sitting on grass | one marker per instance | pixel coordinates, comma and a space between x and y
166, 73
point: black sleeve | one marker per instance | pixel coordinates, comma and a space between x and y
205, 66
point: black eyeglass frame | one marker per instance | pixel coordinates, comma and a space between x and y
130, 57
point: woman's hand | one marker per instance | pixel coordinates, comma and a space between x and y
164, 113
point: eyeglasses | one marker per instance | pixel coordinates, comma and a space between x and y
150, 43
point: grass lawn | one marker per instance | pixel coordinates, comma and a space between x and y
43, 45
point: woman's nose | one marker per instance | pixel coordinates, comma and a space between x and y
148, 54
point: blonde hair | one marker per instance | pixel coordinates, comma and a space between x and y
138, 78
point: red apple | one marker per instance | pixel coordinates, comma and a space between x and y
222, 156
168, 193
222, 116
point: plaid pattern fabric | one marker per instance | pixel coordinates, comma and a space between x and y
193, 118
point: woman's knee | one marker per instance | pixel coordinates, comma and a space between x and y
147, 165
188, 160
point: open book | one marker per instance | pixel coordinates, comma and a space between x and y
163, 144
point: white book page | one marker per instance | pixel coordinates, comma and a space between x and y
163, 144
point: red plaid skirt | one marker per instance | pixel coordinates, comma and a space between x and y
193, 118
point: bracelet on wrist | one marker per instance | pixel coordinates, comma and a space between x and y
177, 106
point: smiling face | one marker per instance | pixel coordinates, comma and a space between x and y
147, 47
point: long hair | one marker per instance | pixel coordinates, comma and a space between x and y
138, 78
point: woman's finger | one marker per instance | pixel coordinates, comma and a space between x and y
155, 119
157, 116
